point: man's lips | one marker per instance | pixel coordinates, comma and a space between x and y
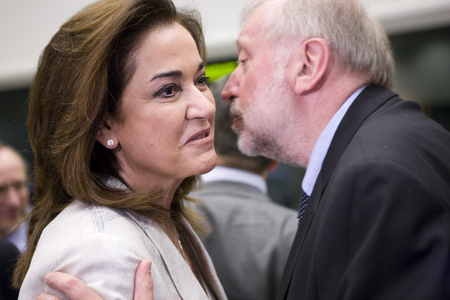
199, 135
10, 214
238, 124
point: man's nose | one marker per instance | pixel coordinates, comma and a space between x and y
12, 197
231, 89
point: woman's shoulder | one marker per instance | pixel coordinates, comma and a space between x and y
94, 243
80, 219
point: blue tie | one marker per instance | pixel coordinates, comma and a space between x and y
303, 202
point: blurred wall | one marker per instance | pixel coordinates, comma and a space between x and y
26, 26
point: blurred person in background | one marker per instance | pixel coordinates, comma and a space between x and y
250, 235
14, 196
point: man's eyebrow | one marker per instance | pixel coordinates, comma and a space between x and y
176, 73
238, 45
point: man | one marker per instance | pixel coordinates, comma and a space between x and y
250, 235
312, 89
14, 196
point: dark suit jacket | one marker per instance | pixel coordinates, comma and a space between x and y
377, 225
8, 258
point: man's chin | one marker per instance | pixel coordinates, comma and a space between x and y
246, 145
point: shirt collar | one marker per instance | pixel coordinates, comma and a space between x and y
221, 173
323, 143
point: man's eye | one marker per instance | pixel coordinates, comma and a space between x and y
19, 185
167, 91
3, 189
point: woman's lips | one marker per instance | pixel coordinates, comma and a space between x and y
200, 136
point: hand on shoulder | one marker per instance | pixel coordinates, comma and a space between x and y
75, 289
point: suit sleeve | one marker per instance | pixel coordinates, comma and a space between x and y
394, 242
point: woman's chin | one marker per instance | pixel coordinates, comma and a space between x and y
208, 165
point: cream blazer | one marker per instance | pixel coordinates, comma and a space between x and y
103, 247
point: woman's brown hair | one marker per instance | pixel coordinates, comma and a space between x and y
81, 76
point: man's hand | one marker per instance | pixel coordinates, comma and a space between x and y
75, 289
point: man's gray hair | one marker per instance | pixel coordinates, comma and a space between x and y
355, 38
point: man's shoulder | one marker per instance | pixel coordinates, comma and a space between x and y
399, 126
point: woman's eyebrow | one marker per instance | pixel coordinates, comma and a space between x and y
176, 73
201, 66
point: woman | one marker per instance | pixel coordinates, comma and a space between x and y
120, 121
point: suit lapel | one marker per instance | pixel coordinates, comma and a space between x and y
370, 99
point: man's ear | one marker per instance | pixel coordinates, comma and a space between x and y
311, 62
107, 136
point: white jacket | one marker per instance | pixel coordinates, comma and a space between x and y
103, 247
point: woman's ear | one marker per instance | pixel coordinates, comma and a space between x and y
107, 136
311, 63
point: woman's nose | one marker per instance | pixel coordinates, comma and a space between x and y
202, 106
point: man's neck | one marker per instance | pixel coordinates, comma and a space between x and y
323, 104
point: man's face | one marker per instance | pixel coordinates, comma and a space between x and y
14, 194
260, 94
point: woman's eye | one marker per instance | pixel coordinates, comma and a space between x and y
167, 91
202, 80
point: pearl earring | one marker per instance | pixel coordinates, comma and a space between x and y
110, 143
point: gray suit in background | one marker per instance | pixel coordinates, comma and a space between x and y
250, 239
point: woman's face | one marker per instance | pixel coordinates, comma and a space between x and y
168, 112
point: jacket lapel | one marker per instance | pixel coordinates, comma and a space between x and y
370, 99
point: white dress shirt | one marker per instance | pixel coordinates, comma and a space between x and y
221, 173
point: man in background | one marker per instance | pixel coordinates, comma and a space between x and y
14, 196
250, 234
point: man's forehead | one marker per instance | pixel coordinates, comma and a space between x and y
251, 33
10, 161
